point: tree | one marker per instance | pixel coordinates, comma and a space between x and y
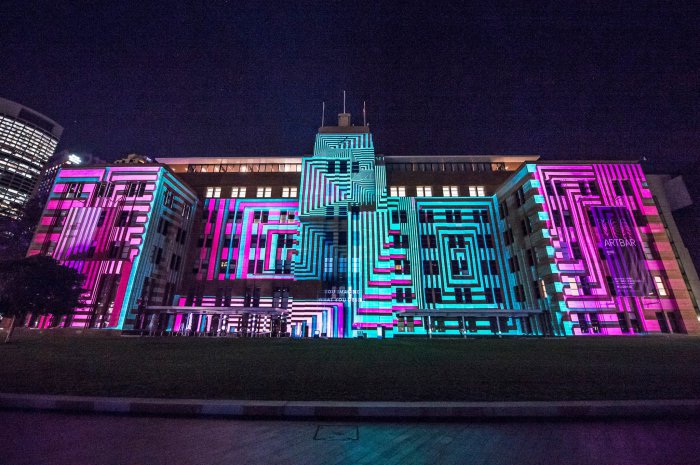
16, 234
39, 285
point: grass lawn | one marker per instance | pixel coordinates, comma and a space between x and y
352, 369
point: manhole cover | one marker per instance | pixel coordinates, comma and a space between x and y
336, 433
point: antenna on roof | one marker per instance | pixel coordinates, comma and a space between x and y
343, 101
364, 113
323, 115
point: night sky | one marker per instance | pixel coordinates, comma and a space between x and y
565, 81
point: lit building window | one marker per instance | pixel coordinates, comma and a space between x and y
660, 288
450, 191
397, 191
264, 192
328, 265
477, 191
238, 192
290, 191
424, 191
213, 192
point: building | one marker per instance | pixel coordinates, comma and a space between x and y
27, 141
60, 160
349, 243
133, 159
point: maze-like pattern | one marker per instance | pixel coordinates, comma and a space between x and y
583, 201
248, 238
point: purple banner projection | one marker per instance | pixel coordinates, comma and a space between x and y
623, 251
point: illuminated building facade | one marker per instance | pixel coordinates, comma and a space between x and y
27, 141
60, 160
348, 243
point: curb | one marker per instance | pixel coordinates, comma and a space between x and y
359, 410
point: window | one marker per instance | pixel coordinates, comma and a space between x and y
503, 209
477, 191
73, 190
568, 219
531, 257
640, 218
519, 293
331, 167
289, 191
424, 191
575, 251
328, 265
463, 295
238, 192
627, 187
400, 241
399, 216
123, 218
648, 251
186, 210
260, 216
265, 192
404, 294
428, 241
213, 192
520, 196
104, 189
498, 295
617, 187
433, 295
356, 264
431, 267
169, 198
660, 287
453, 216
450, 191
459, 267
582, 322
135, 189
402, 266
489, 267
508, 237
397, 191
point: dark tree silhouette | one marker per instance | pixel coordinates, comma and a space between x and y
16, 234
38, 285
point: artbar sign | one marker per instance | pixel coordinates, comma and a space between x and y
622, 250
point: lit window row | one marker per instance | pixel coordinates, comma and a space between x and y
246, 168
447, 191
241, 191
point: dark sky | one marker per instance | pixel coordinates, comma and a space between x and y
575, 80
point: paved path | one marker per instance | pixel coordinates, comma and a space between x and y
60, 438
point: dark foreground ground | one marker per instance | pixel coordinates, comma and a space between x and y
55, 438
391, 370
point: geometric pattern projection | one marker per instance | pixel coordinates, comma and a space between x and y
556, 249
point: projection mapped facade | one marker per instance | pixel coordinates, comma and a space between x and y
348, 243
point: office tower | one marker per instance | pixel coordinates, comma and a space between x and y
27, 141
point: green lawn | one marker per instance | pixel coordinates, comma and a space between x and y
398, 369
